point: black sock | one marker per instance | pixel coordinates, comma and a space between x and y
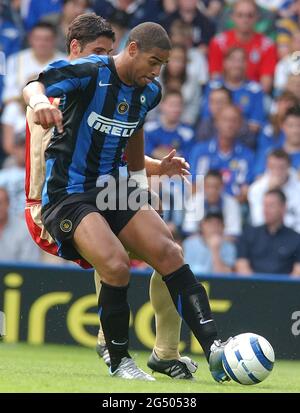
114, 315
191, 302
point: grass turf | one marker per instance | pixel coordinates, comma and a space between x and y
52, 368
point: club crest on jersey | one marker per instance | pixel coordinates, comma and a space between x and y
122, 108
65, 225
111, 126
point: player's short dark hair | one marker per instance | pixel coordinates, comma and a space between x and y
86, 28
234, 49
280, 154
67, 1
171, 92
287, 95
293, 111
214, 173
252, 2
224, 90
279, 193
214, 215
45, 25
148, 36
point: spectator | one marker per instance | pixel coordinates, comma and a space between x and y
15, 242
176, 75
22, 67
208, 252
261, 51
216, 201
247, 95
285, 65
70, 10
265, 22
13, 123
217, 99
287, 25
26, 64
202, 27
135, 11
290, 141
212, 9
278, 175
226, 154
274, 5
168, 132
293, 85
10, 41
272, 134
39, 9
119, 24
12, 177
272, 247
182, 34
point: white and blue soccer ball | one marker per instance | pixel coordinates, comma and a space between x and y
248, 358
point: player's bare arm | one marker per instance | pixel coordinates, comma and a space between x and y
170, 165
45, 114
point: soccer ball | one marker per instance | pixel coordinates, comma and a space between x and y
248, 358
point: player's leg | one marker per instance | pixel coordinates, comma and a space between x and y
167, 320
95, 242
165, 357
101, 347
149, 237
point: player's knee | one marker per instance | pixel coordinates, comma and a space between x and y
171, 257
116, 270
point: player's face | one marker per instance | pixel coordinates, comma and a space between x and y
101, 46
235, 65
274, 209
291, 129
213, 187
228, 123
283, 105
177, 62
212, 226
171, 108
244, 16
146, 66
42, 41
278, 168
218, 100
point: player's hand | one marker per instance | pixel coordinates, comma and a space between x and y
47, 116
174, 165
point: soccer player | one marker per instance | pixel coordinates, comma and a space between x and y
103, 105
91, 34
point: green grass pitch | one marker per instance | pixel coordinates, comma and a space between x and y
52, 368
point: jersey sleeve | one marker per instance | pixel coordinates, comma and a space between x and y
63, 77
152, 104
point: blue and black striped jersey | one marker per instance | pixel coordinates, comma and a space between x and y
100, 114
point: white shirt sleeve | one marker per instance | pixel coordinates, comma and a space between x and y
232, 216
11, 85
255, 198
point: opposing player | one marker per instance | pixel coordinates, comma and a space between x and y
90, 34
103, 104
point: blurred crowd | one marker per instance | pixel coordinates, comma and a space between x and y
230, 106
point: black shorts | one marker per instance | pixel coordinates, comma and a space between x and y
62, 219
